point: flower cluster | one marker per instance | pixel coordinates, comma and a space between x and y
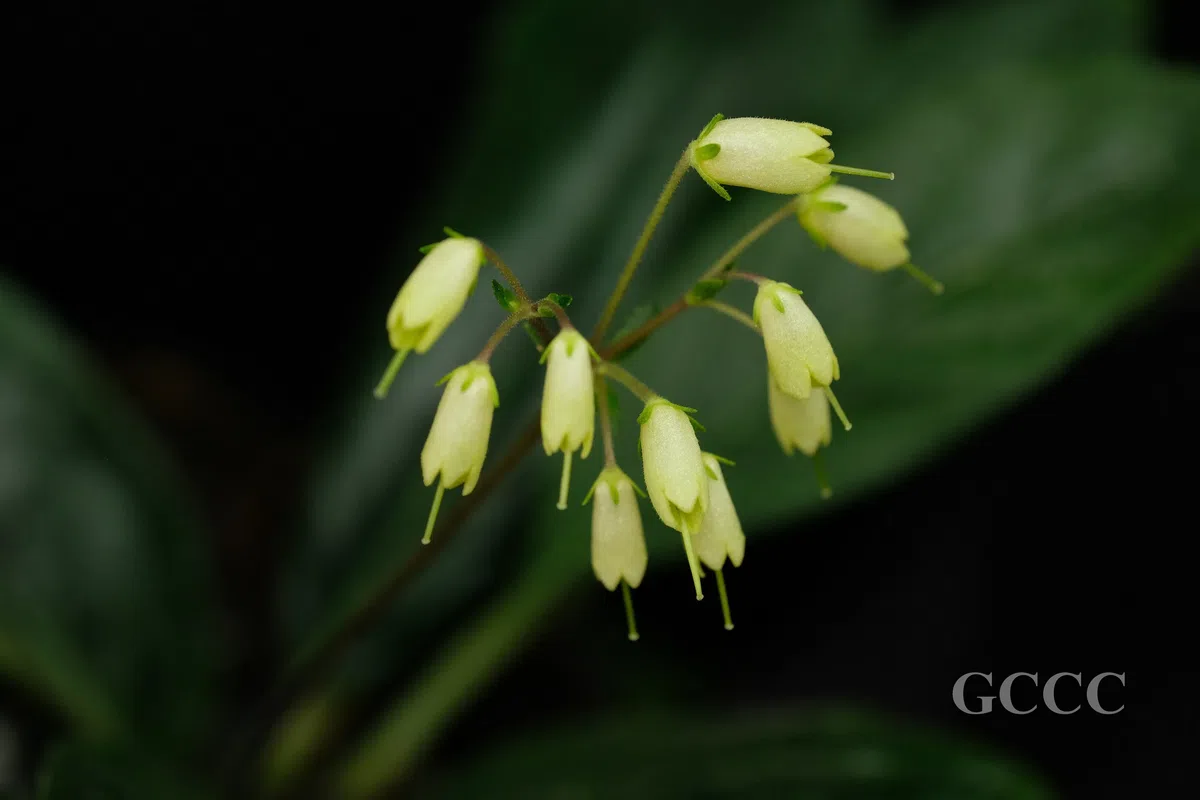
685, 485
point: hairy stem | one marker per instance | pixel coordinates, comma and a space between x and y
731, 312
606, 433
505, 328
650, 326
639, 249
752, 236
720, 265
628, 380
518, 289
507, 273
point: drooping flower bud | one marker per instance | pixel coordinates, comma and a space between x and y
568, 401
458, 439
720, 536
431, 298
771, 155
860, 227
674, 472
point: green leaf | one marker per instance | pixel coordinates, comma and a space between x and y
1044, 237
833, 755
78, 771
705, 290
1017, 196
106, 596
505, 296
563, 300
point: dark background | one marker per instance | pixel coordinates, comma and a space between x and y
211, 196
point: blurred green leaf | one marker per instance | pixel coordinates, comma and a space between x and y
820, 754
1056, 206
1048, 200
105, 594
636, 319
76, 771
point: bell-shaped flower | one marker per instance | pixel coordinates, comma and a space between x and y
568, 401
618, 544
458, 439
799, 355
720, 536
860, 227
771, 155
802, 425
674, 470
430, 299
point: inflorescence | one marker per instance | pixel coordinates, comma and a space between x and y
685, 485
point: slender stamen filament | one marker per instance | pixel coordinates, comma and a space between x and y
433, 512
837, 407
692, 561
724, 600
629, 619
818, 460
565, 483
928, 281
867, 173
389, 374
